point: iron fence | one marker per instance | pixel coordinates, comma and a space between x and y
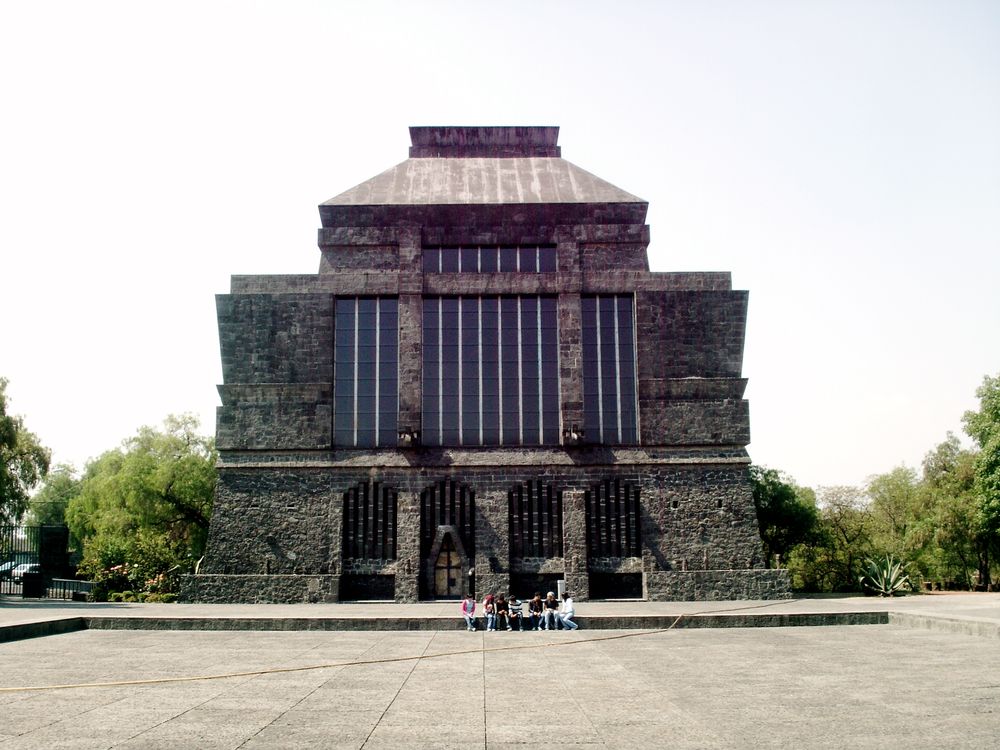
68, 588
42, 546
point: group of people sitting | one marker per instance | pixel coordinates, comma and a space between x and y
500, 611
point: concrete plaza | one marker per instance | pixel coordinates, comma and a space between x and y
884, 686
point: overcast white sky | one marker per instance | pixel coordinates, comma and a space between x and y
841, 159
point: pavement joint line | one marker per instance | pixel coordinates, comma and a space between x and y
704, 618
174, 716
583, 709
399, 690
356, 663
486, 729
304, 697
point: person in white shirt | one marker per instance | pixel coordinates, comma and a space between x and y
566, 612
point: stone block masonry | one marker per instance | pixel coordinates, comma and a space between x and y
641, 488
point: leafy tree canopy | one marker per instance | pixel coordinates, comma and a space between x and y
24, 462
984, 427
786, 514
155, 491
48, 506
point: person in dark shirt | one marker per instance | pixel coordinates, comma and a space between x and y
503, 612
535, 608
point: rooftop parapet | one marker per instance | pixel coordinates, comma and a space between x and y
503, 142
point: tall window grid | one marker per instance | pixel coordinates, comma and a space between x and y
491, 371
609, 371
366, 371
490, 259
369, 525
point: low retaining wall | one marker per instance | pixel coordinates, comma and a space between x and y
217, 588
716, 585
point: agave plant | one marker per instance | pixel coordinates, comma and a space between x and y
885, 576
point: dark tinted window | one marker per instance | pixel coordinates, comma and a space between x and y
609, 377
491, 373
490, 259
366, 355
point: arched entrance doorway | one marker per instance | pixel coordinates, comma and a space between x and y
449, 576
447, 540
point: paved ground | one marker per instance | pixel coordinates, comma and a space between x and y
889, 686
856, 686
978, 607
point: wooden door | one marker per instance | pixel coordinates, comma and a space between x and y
448, 572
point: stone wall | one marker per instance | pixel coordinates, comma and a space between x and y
276, 338
691, 334
694, 422
712, 585
276, 531
694, 519
260, 589
275, 522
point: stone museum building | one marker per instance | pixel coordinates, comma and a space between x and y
484, 388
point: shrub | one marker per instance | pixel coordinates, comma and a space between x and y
885, 576
161, 598
137, 563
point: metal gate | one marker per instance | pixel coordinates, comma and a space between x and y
45, 546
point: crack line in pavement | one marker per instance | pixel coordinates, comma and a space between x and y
227, 689
311, 692
706, 735
401, 686
62, 719
280, 670
175, 716
485, 735
568, 688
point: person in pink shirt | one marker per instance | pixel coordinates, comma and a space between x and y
490, 612
469, 612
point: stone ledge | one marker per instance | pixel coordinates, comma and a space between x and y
424, 458
220, 588
714, 585
40, 629
980, 628
650, 622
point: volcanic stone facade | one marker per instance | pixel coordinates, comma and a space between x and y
616, 460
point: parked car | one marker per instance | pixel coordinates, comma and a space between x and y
6, 569
20, 570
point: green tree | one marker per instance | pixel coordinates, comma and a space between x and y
951, 520
24, 462
786, 514
842, 541
149, 500
894, 501
48, 506
983, 426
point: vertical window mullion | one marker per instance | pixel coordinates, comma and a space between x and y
600, 369
357, 311
440, 388
461, 372
479, 325
499, 363
541, 381
618, 374
520, 374
378, 349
